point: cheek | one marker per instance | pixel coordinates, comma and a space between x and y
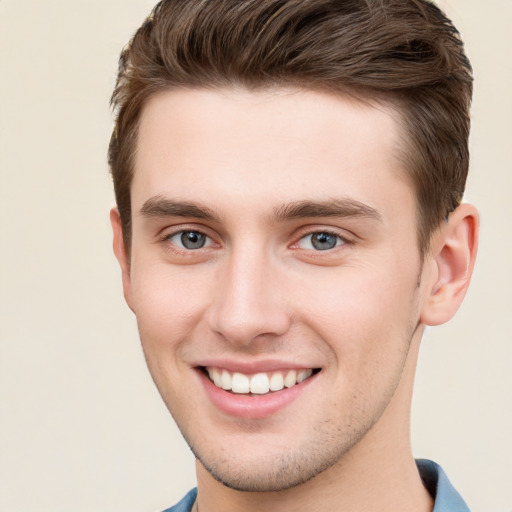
348, 298
168, 302
362, 311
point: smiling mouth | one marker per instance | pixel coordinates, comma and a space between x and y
258, 383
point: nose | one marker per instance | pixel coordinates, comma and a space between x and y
249, 304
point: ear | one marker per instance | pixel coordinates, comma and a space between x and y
121, 255
453, 253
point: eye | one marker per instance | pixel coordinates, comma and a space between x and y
320, 241
190, 240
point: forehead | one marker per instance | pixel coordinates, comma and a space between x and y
241, 148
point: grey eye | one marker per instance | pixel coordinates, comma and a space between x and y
190, 240
320, 241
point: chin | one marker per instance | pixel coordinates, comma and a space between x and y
273, 472
282, 475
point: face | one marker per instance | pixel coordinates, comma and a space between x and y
275, 276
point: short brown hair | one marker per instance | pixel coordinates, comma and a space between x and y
403, 53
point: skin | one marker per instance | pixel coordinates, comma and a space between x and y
244, 169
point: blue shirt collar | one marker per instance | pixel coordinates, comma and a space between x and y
447, 499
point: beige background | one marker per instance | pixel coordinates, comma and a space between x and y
81, 425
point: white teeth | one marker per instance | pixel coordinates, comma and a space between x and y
240, 383
225, 380
290, 379
215, 376
303, 375
259, 383
276, 382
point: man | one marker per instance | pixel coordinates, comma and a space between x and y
289, 177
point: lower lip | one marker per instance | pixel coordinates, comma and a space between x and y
252, 406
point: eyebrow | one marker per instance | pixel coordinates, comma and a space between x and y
159, 206
329, 208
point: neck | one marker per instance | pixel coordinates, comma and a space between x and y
378, 474
391, 487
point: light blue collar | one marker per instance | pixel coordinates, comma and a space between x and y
447, 499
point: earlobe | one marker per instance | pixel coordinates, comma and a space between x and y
121, 255
454, 250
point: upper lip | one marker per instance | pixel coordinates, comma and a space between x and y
251, 367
